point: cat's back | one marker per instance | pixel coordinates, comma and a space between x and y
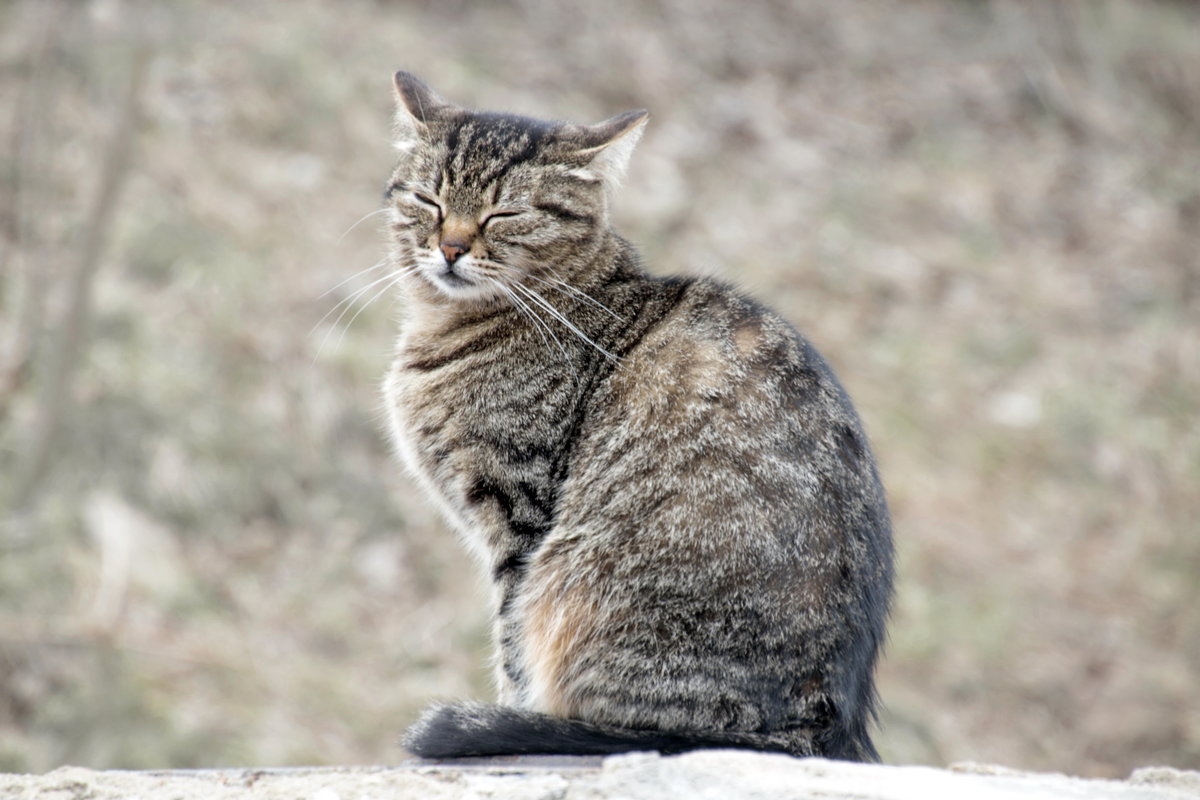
726, 408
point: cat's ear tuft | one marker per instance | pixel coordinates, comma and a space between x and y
609, 145
416, 106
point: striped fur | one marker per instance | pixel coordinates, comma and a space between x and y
667, 486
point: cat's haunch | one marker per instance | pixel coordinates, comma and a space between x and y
666, 485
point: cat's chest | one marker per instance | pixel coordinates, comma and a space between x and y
484, 437
433, 422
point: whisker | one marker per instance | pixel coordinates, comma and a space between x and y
348, 303
360, 222
349, 299
342, 283
575, 290
539, 326
396, 278
556, 314
562, 287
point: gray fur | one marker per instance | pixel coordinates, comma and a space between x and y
668, 487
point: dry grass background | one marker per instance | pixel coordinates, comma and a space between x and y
987, 214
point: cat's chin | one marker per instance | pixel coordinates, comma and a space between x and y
455, 285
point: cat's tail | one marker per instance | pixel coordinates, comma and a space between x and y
478, 729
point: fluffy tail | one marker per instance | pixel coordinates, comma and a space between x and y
476, 729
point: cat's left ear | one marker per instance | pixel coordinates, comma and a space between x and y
608, 146
416, 106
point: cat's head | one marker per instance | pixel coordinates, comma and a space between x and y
481, 201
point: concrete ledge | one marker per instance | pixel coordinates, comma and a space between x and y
718, 774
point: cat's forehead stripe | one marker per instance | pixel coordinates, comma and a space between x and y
485, 147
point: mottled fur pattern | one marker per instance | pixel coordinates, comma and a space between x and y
670, 491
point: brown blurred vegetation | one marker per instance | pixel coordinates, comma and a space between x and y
987, 214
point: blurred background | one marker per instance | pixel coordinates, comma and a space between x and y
985, 214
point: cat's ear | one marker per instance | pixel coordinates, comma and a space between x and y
416, 106
607, 146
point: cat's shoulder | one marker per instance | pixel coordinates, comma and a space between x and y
709, 311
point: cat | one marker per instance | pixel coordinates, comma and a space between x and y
672, 495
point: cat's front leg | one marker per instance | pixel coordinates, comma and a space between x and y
506, 637
507, 693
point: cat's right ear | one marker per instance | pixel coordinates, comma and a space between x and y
608, 145
416, 106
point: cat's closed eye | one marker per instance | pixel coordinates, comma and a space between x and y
426, 200
499, 214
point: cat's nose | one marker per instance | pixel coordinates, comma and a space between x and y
452, 250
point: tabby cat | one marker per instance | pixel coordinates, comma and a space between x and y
671, 493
